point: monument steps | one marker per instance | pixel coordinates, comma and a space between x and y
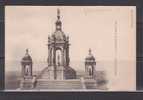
45, 76
59, 84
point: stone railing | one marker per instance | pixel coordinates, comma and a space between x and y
38, 76
83, 83
34, 81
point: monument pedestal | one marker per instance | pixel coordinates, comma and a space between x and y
28, 83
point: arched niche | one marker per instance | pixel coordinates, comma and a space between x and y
59, 57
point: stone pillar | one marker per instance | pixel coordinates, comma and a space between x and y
63, 58
22, 71
85, 68
93, 70
50, 56
67, 55
54, 56
31, 70
54, 62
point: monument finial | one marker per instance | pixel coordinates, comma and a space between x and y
58, 22
89, 51
26, 50
58, 13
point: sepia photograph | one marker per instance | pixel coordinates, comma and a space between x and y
70, 48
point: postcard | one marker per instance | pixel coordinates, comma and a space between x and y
70, 48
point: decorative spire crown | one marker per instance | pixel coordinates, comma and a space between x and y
58, 22
90, 56
27, 52
27, 57
58, 14
89, 51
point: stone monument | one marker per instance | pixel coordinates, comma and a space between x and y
90, 64
58, 54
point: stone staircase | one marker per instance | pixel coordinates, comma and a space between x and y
43, 74
59, 84
43, 82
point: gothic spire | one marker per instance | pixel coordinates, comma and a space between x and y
27, 52
58, 22
89, 51
58, 14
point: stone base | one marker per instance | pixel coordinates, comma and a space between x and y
28, 83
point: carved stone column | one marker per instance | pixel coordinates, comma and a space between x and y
63, 61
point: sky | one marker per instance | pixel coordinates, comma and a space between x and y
88, 27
